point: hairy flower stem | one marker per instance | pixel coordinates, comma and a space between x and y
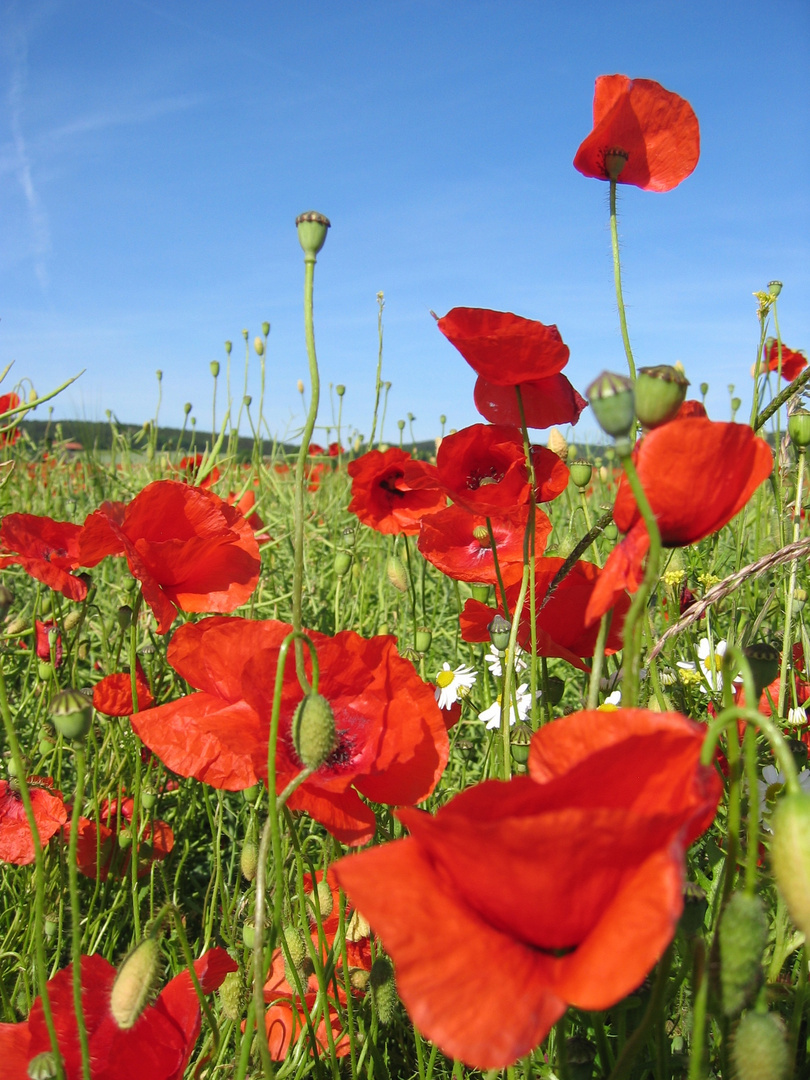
75, 910
508, 677
41, 965
378, 381
617, 278
306, 435
633, 624
786, 638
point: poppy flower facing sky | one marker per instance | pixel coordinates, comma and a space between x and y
655, 130
562, 887
381, 497
391, 746
188, 548
46, 549
16, 841
157, 1047
697, 475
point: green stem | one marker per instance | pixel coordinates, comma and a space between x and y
75, 910
787, 651
636, 1041
617, 278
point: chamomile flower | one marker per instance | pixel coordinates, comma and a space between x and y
492, 715
710, 664
451, 684
493, 661
797, 717
771, 787
611, 703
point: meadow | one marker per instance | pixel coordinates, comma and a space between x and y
346, 758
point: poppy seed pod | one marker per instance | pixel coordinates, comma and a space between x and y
615, 161
774, 288
612, 400
423, 639
581, 472
763, 659
265, 328
499, 631
312, 228
258, 345
343, 563
660, 392
799, 428
519, 745
135, 983
313, 731
214, 366
71, 714
43, 1066
790, 855
743, 937
760, 1049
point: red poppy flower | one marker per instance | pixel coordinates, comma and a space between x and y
793, 362
157, 1047
10, 432
245, 505
47, 631
186, 546
383, 500
505, 349
545, 402
561, 629
656, 132
391, 740
108, 849
697, 475
16, 841
691, 408
112, 695
483, 469
46, 549
458, 543
605, 817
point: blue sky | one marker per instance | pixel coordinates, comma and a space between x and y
154, 156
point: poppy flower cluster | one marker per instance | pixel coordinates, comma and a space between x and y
391, 742
561, 887
157, 1047
50, 814
507, 351
642, 135
188, 548
697, 475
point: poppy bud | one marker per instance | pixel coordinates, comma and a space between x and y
612, 400
340, 389
72, 619
326, 901
790, 855
760, 1050
799, 428
148, 799
187, 408
51, 924
313, 731
774, 288
214, 366
312, 228
123, 616
43, 1066
228, 347
17, 626
499, 631
763, 659
248, 934
71, 714
743, 937
557, 444
298, 956
424, 637
358, 928
258, 345
383, 989
134, 983
231, 995
249, 793
581, 472
247, 401
660, 392
249, 859
396, 573
343, 563
265, 328
615, 161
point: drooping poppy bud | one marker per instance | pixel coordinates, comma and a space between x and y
743, 937
790, 855
135, 983
383, 989
760, 1049
313, 731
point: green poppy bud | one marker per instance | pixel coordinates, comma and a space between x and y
610, 531
248, 934
258, 345
71, 713
790, 856
556, 689
249, 793
249, 859
383, 989
396, 573
613, 403
423, 638
743, 937
228, 347
148, 799
581, 472
265, 328
312, 228
326, 901
313, 731
296, 958
187, 408
660, 392
340, 389
759, 1050
214, 366
799, 428
231, 995
135, 983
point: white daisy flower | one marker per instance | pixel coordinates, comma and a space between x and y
770, 789
492, 715
452, 684
710, 664
797, 717
493, 661
611, 703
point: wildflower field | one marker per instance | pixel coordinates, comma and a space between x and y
357, 762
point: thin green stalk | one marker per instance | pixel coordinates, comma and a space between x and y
378, 381
75, 910
508, 672
653, 1010
617, 278
787, 641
